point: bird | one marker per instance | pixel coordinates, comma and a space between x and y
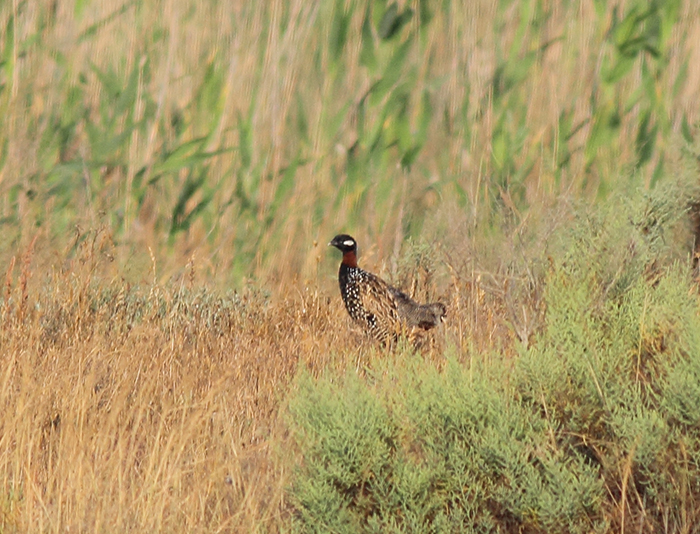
380, 309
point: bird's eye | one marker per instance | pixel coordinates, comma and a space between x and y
349, 243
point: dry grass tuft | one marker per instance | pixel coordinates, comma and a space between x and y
157, 408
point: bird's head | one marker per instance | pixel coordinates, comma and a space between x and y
344, 243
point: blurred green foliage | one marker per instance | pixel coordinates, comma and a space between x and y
242, 128
593, 428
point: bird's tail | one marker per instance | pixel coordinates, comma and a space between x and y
429, 315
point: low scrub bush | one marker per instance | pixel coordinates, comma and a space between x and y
592, 427
427, 451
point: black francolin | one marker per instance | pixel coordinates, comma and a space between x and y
383, 311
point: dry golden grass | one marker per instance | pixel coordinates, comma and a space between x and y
161, 408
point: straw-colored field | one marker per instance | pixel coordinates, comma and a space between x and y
162, 408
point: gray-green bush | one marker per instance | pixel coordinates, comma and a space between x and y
592, 427
434, 451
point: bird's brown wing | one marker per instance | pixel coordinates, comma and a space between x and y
382, 314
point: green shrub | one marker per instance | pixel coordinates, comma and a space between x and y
615, 368
433, 451
595, 426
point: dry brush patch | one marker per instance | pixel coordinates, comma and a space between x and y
158, 407
149, 411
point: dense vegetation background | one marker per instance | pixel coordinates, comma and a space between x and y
174, 354
248, 132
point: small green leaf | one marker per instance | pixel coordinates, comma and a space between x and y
658, 172
646, 139
368, 56
94, 28
339, 31
685, 130
245, 140
181, 219
622, 66
183, 156
285, 185
392, 73
393, 21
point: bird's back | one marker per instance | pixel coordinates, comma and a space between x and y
384, 311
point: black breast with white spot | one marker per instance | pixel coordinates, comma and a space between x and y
350, 280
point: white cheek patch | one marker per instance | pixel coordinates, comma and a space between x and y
349, 243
